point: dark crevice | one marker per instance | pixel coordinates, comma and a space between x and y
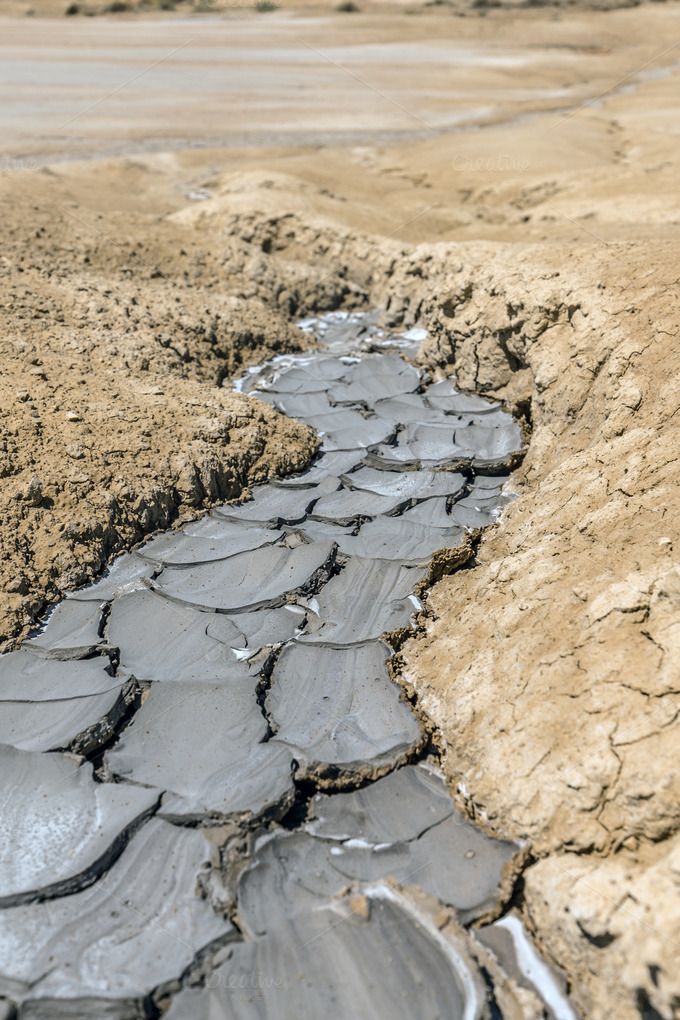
600, 941
95, 741
195, 974
119, 724
645, 1007
495, 1012
262, 690
298, 813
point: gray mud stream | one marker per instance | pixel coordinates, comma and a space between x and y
217, 801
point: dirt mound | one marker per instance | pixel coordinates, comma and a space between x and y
551, 666
113, 422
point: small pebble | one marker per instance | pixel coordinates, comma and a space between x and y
34, 493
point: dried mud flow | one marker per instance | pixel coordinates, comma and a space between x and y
518, 206
546, 667
263, 829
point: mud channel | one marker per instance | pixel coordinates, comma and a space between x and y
219, 800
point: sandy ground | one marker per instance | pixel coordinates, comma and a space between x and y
509, 181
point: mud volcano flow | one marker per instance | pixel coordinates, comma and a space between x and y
217, 800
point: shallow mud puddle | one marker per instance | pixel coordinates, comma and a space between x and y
218, 801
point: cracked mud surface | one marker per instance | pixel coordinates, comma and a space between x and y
266, 831
541, 253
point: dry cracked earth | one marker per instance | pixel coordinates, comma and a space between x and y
535, 677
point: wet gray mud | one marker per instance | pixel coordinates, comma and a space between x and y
218, 802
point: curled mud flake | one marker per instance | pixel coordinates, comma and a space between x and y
411, 485
340, 419
493, 482
489, 445
369, 390
436, 446
127, 573
405, 826
140, 925
27, 677
369, 492
308, 376
433, 444
508, 941
357, 437
407, 408
328, 465
346, 505
452, 861
435, 513
469, 515
262, 627
82, 724
49, 704
339, 707
489, 501
375, 378
494, 419
72, 631
445, 397
59, 830
273, 505
253, 580
482, 499
210, 527
290, 874
296, 382
174, 745
302, 405
395, 809
179, 548
393, 456
367, 599
162, 640
369, 957
395, 538
325, 531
